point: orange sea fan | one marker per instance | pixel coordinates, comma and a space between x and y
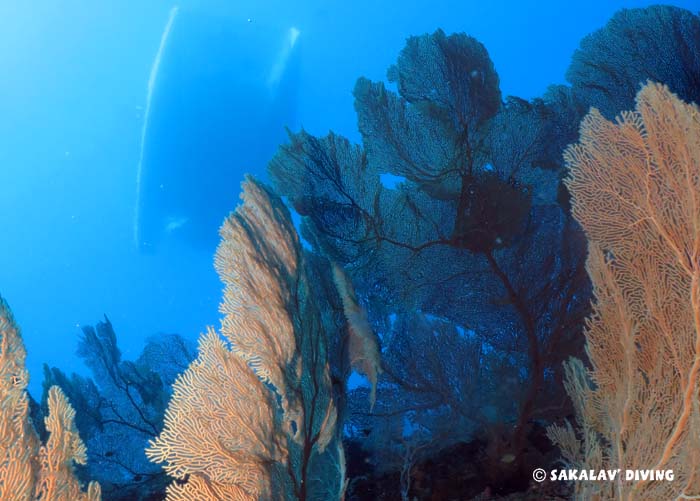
635, 188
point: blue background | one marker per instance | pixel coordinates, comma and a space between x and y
73, 77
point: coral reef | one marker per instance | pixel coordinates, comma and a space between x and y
29, 470
659, 43
121, 407
473, 237
444, 261
254, 416
635, 188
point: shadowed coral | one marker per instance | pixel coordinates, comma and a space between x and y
121, 407
253, 417
636, 191
29, 471
660, 42
473, 234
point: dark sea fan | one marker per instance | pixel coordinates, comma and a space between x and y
659, 43
474, 240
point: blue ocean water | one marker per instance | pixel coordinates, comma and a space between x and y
74, 86
74, 89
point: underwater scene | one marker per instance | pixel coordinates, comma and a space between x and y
315, 250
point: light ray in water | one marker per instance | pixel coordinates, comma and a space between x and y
149, 96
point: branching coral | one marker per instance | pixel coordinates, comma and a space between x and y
121, 407
28, 470
636, 191
660, 42
56, 478
473, 233
253, 417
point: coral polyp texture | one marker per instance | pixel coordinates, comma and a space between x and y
635, 187
28, 469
